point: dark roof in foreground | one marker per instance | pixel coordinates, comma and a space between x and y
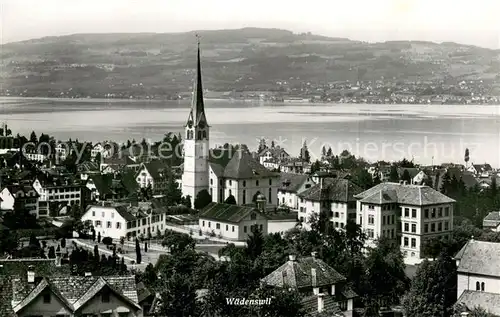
479, 257
488, 301
291, 182
298, 274
416, 195
330, 308
492, 219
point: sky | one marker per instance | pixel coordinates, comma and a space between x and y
475, 22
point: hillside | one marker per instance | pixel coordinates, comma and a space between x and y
245, 59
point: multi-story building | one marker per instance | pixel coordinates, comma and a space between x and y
336, 196
412, 214
155, 174
478, 276
273, 153
20, 196
70, 194
291, 186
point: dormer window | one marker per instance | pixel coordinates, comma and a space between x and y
105, 297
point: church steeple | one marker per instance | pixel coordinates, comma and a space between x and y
197, 115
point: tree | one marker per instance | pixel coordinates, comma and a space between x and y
173, 193
138, 251
177, 242
96, 253
329, 153
262, 145
146, 246
63, 242
316, 166
406, 176
203, 198
404, 163
255, 243
445, 184
323, 151
93, 234
394, 175
178, 296
33, 137
304, 153
230, 200
187, 201
284, 302
107, 240
272, 144
98, 158
99, 237
466, 156
433, 290
363, 179
52, 253
436, 181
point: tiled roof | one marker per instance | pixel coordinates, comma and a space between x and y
297, 274
291, 182
415, 195
142, 292
277, 216
157, 169
243, 166
226, 212
75, 291
479, 257
488, 301
411, 170
330, 308
275, 152
334, 189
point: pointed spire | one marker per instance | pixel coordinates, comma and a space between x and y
197, 114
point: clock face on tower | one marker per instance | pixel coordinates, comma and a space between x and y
201, 125
190, 123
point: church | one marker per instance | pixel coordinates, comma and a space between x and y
222, 172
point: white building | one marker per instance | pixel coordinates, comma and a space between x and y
154, 174
336, 196
22, 196
222, 172
108, 221
411, 213
105, 150
277, 154
478, 276
70, 194
292, 185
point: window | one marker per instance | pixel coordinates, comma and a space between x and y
256, 183
433, 227
393, 219
260, 227
337, 214
406, 227
203, 223
217, 226
112, 215
336, 224
433, 214
93, 213
407, 212
102, 214
253, 216
371, 207
482, 286
405, 241
118, 225
209, 224
46, 298
446, 211
371, 219
199, 135
413, 228
270, 182
244, 183
440, 226
383, 220
204, 134
426, 213
392, 233
301, 219
245, 229
426, 228
233, 228
413, 243
343, 305
108, 224
230, 182
98, 223
440, 212
105, 297
477, 286
211, 181
446, 225
270, 196
414, 213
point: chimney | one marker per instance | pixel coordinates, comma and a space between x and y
292, 258
321, 302
313, 278
31, 274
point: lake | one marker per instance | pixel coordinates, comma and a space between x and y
427, 133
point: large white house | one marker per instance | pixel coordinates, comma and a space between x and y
414, 213
222, 172
478, 276
154, 174
291, 185
22, 196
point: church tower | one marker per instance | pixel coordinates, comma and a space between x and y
196, 145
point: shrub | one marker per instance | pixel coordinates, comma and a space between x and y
107, 240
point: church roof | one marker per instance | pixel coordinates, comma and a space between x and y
243, 166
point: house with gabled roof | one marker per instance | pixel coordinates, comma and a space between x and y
492, 221
291, 185
276, 153
24, 196
112, 186
480, 170
155, 174
332, 195
413, 214
35, 295
325, 290
478, 276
